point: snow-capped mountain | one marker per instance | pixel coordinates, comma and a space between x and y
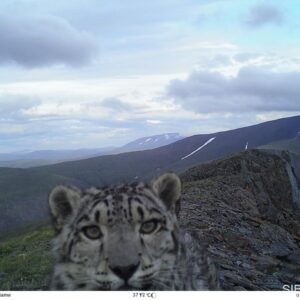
151, 142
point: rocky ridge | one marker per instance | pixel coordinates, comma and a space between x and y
243, 209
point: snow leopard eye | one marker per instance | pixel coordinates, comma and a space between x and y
149, 226
92, 232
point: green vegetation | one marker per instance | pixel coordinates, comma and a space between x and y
25, 261
23, 197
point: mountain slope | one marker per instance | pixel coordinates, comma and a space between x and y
241, 207
23, 193
291, 145
176, 156
232, 141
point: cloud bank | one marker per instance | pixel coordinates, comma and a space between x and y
252, 90
12, 107
37, 42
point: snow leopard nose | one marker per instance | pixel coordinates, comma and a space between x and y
125, 272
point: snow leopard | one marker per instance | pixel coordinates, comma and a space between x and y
126, 237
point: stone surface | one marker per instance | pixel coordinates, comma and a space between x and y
242, 207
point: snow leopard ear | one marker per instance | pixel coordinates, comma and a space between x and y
63, 202
168, 188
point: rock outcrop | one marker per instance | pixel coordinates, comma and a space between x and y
243, 208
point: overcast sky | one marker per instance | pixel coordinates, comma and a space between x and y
97, 73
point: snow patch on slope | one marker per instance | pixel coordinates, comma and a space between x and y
201, 147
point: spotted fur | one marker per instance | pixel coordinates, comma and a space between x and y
125, 238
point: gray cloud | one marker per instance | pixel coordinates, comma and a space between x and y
252, 90
116, 104
12, 107
217, 61
263, 14
36, 42
245, 56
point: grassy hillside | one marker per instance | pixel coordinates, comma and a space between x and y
25, 261
23, 196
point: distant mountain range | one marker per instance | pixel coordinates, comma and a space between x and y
150, 142
27, 159
177, 156
23, 192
